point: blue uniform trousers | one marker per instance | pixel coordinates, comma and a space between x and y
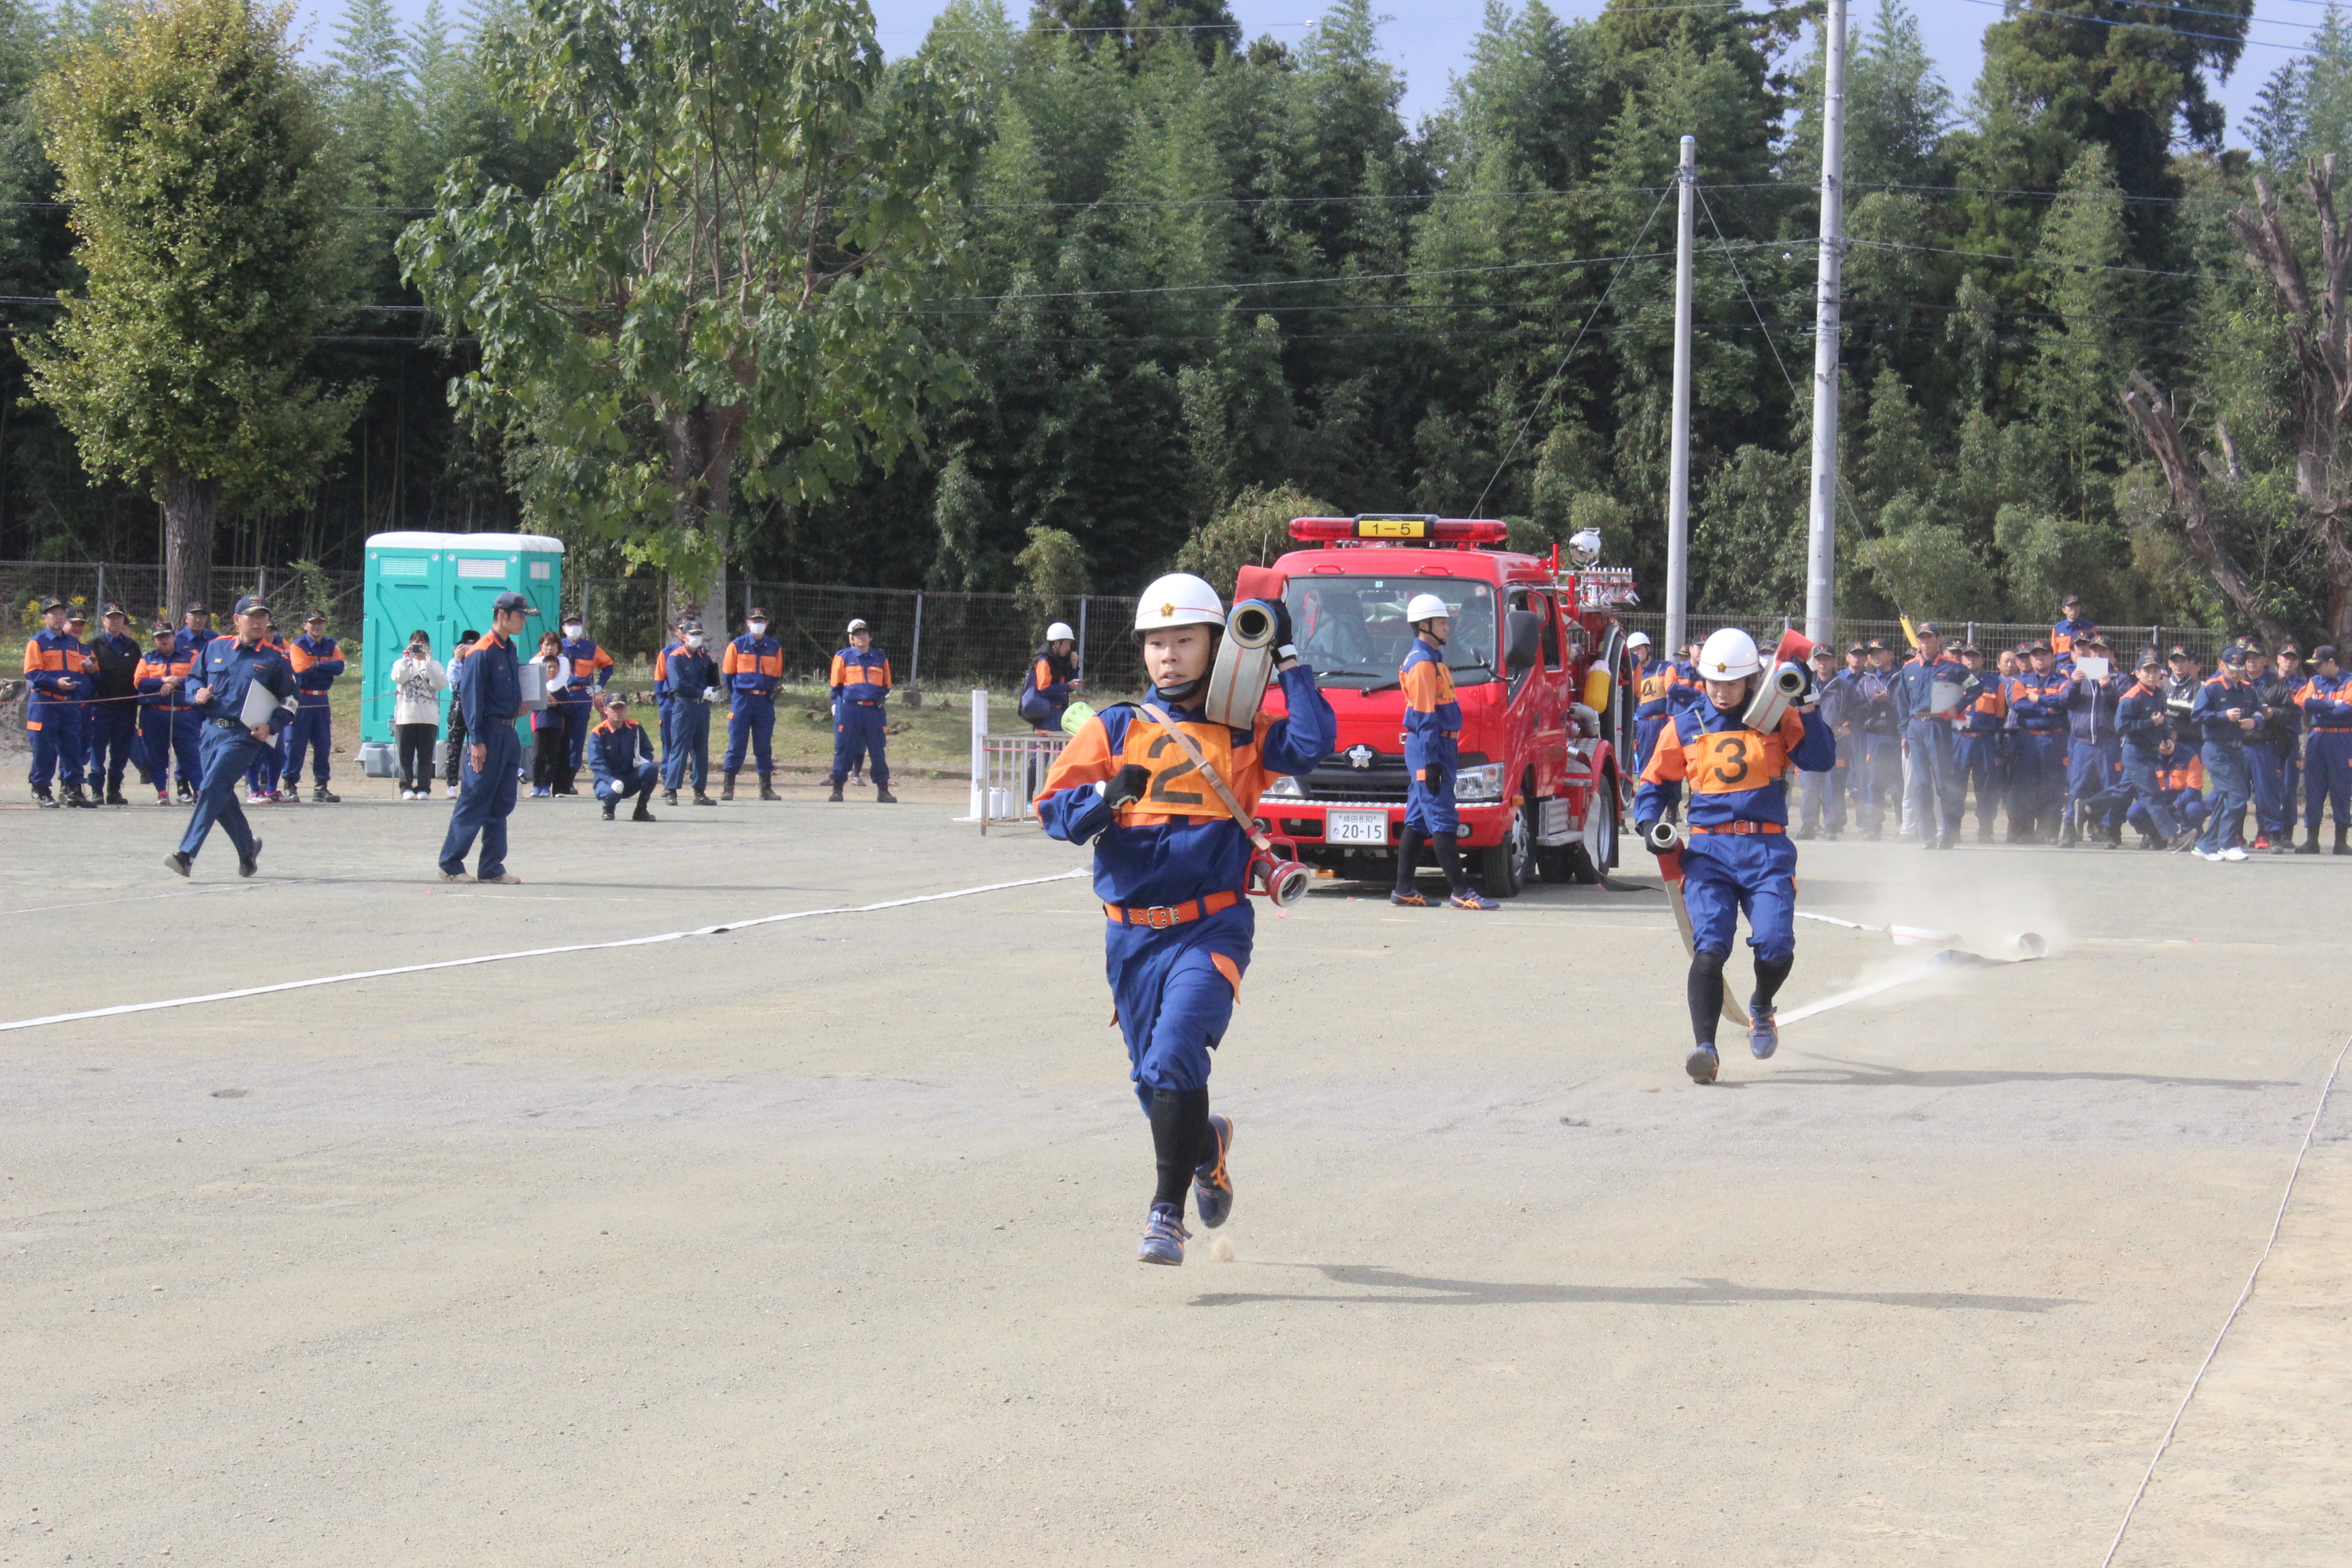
2091, 769
55, 730
485, 800
1879, 776
110, 730
228, 754
2328, 776
163, 737
2151, 813
1726, 875
2228, 789
667, 706
686, 743
2037, 780
313, 730
1172, 999
858, 737
2147, 813
579, 718
1985, 770
1821, 796
750, 721
1935, 776
1431, 762
643, 779
269, 765
2273, 807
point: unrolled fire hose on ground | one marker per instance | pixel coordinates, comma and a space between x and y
1665, 842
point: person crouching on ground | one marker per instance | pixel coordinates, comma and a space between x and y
1739, 854
1171, 867
1432, 735
622, 756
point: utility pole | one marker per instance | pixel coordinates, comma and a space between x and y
1821, 530
1678, 473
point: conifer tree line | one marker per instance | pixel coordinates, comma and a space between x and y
1076, 295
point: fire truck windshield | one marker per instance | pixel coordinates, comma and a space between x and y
1353, 633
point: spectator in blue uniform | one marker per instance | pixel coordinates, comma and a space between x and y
590, 668
2037, 747
622, 756
317, 660
752, 667
2228, 712
227, 670
1824, 795
1738, 857
169, 727
693, 686
1171, 867
2094, 747
1877, 716
58, 687
489, 695
2072, 629
1930, 690
196, 628
110, 731
2143, 725
1978, 745
2326, 699
860, 681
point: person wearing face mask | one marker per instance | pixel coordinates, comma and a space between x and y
661, 679
1170, 866
590, 669
693, 686
752, 666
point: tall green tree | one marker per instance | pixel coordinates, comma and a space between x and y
719, 289
208, 230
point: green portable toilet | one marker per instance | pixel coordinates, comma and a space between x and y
446, 583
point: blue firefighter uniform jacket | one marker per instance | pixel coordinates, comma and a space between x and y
1045, 690
615, 752
315, 662
859, 679
228, 667
1432, 731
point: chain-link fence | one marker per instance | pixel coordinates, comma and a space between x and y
943, 641
1990, 636
91, 585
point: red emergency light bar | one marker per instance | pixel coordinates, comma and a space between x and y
1411, 528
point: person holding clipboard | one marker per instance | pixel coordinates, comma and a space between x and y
245, 696
489, 695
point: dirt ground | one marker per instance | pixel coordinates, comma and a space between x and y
812, 1241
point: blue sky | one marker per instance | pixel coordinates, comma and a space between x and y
1430, 42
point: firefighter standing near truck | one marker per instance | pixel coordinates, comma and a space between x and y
1738, 856
1171, 867
1433, 737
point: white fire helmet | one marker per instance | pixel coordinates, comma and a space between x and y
1426, 607
1728, 655
1060, 632
1639, 639
1179, 599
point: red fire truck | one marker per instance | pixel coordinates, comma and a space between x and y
1536, 651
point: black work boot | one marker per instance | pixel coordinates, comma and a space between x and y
114, 794
2310, 845
2341, 847
669, 797
727, 786
767, 790
42, 797
702, 799
75, 798
321, 794
608, 811
644, 809
836, 791
883, 796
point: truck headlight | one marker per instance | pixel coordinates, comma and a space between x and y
1284, 788
1479, 783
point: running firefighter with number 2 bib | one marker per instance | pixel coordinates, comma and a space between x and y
1172, 867
1738, 859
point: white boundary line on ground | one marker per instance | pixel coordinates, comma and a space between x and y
532, 953
2245, 1295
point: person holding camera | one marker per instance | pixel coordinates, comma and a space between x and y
225, 671
1432, 735
551, 773
418, 679
1737, 855
1172, 868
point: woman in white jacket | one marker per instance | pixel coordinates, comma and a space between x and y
418, 679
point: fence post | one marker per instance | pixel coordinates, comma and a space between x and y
1972, 634
915, 660
261, 584
1082, 635
980, 756
101, 595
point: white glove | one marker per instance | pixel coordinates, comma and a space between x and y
710, 694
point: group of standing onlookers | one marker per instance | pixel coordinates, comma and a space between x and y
2069, 742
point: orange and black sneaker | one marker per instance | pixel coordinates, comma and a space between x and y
1408, 899
1213, 1184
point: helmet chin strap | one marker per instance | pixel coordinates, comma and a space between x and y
1176, 693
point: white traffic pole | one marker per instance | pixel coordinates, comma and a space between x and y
1821, 529
979, 754
1678, 480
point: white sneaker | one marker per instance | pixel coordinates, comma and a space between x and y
2206, 854
453, 792
2233, 852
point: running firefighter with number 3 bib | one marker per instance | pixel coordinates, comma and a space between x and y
1172, 867
1738, 859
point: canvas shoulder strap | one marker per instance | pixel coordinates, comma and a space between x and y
1191, 749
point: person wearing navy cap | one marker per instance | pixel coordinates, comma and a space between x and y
2229, 711
489, 695
58, 674
1928, 691
2326, 699
196, 628
317, 660
111, 723
224, 672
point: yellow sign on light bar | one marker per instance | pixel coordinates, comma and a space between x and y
1391, 527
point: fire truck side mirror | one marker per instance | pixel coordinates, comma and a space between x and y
1524, 635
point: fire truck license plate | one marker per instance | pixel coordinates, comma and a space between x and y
1356, 827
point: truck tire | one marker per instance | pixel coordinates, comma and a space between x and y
1606, 803
1503, 867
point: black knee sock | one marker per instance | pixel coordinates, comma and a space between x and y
1408, 853
1705, 988
1449, 859
1179, 1125
1769, 979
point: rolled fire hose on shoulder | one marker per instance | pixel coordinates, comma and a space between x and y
1244, 668
1666, 841
1285, 880
1787, 684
